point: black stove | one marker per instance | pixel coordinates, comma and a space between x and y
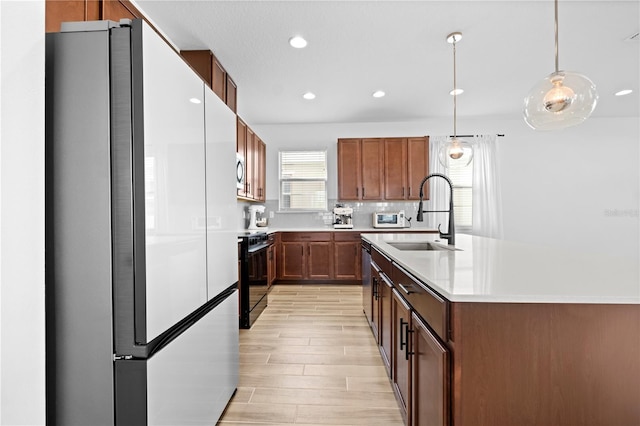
253, 284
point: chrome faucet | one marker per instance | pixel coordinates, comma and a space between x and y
450, 236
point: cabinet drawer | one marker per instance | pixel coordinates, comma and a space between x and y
305, 236
383, 262
427, 303
346, 236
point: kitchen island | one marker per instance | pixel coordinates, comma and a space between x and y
504, 333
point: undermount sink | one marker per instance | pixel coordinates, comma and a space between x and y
420, 246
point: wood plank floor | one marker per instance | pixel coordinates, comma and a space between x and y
311, 359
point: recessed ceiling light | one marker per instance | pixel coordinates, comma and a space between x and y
297, 42
195, 100
309, 96
378, 94
624, 92
456, 92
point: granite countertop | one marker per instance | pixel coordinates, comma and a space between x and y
490, 270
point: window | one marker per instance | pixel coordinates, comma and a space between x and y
462, 179
303, 180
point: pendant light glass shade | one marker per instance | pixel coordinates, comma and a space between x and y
455, 150
562, 99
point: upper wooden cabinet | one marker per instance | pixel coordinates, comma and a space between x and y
360, 162
59, 11
254, 151
382, 168
205, 63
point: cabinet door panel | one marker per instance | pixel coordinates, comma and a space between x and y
395, 175
319, 261
347, 260
372, 169
375, 307
349, 180
385, 325
250, 175
292, 260
417, 166
430, 384
401, 373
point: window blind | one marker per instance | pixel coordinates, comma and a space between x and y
462, 180
303, 180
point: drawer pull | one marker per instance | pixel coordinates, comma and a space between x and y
407, 289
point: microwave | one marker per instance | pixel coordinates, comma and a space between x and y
389, 219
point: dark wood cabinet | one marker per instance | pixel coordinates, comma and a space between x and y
395, 169
349, 169
306, 256
210, 69
347, 256
272, 256
375, 306
319, 260
385, 331
372, 166
254, 151
417, 166
429, 377
359, 166
401, 353
259, 168
382, 168
59, 11
292, 263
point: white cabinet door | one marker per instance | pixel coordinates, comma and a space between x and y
174, 185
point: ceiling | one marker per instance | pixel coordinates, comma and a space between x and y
358, 47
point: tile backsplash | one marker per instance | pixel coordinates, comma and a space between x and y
362, 215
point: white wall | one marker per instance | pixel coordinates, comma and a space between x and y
22, 373
576, 188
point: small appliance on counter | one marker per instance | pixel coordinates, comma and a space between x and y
343, 217
389, 219
256, 222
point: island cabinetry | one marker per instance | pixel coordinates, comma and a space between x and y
376, 280
385, 332
430, 376
401, 353
306, 256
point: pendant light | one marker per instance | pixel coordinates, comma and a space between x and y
455, 149
562, 99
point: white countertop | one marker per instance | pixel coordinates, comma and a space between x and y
359, 229
490, 270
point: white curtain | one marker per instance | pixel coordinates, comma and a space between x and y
487, 202
438, 190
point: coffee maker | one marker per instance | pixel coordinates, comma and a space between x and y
343, 217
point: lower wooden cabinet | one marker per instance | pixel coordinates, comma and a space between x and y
429, 377
385, 332
375, 302
401, 371
319, 257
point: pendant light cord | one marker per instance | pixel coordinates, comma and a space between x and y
455, 88
556, 36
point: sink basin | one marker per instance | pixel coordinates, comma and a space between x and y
420, 246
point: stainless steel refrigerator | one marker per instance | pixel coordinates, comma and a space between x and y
141, 245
